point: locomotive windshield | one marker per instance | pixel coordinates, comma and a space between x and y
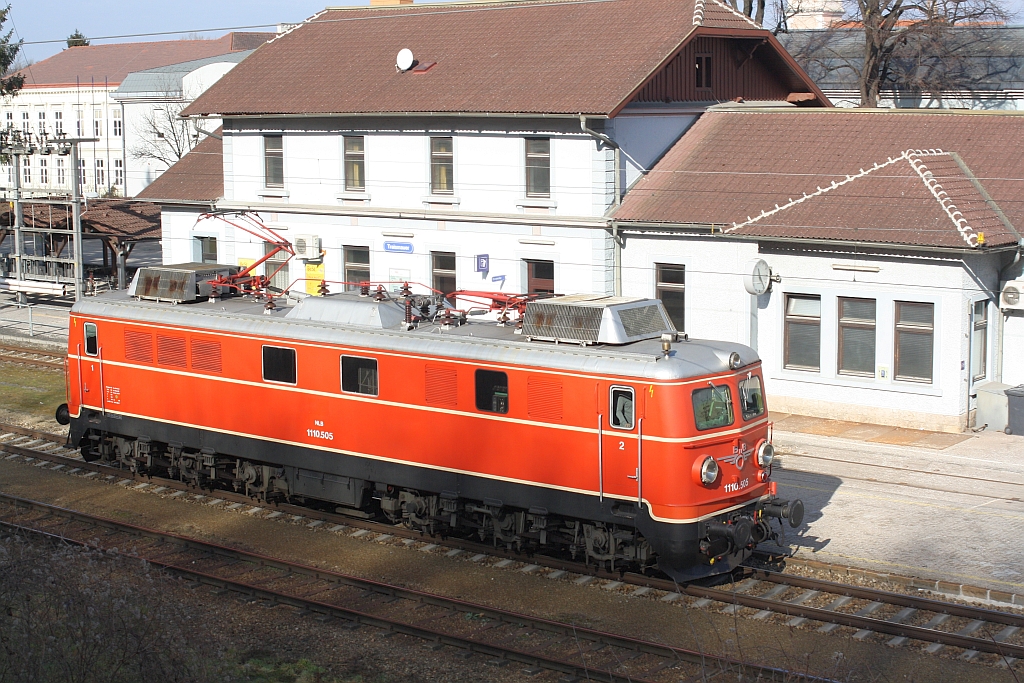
712, 407
751, 398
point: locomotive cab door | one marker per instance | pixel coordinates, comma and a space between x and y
89, 371
620, 444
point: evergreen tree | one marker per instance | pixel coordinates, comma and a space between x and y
77, 39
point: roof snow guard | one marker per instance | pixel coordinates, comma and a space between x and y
912, 156
595, 319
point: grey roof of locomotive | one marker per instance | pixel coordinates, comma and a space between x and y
477, 340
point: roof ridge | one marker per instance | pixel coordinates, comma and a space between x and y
738, 14
963, 227
912, 157
698, 12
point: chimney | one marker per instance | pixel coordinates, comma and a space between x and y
387, 3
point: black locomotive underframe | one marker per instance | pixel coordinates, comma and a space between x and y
677, 546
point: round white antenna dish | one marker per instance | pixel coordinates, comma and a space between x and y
404, 60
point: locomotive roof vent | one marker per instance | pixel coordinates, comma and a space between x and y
349, 310
596, 319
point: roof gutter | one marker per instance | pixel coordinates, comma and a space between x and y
396, 114
716, 230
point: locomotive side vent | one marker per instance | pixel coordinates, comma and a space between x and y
596, 319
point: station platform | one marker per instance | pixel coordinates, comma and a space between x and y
862, 431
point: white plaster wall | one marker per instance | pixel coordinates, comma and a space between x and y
1013, 348
644, 138
717, 306
489, 171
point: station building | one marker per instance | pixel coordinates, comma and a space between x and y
584, 147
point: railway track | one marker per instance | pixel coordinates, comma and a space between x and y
969, 632
39, 358
471, 627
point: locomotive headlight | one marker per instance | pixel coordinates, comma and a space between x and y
735, 361
765, 454
708, 471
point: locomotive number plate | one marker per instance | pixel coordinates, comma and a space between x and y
737, 485
320, 434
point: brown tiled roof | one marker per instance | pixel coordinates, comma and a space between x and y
120, 218
109, 64
196, 177
538, 56
894, 177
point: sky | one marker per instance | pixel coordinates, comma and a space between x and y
39, 21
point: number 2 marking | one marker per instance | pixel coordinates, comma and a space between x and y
622, 445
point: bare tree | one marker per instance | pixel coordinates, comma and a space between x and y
751, 8
164, 136
932, 46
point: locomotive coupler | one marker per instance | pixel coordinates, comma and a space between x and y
792, 510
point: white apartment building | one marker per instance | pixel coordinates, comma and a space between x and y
73, 94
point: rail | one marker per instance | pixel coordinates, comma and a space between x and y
786, 594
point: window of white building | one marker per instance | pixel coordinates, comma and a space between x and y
59, 168
856, 337
538, 167
26, 171
803, 332
58, 123
357, 266
26, 127
79, 124
442, 166
41, 126
355, 163
97, 123
915, 338
273, 161
671, 289
117, 124
979, 340
44, 172
118, 172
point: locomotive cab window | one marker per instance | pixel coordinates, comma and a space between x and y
92, 344
359, 375
621, 408
751, 398
279, 364
712, 407
492, 391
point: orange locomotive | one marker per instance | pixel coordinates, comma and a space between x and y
589, 426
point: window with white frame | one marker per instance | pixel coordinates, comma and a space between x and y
79, 124
671, 289
26, 170
44, 172
357, 266
914, 343
442, 166
118, 126
118, 172
355, 163
9, 119
81, 171
803, 332
58, 123
273, 161
856, 354
97, 123
538, 167
979, 339
59, 172
101, 174
41, 124
26, 127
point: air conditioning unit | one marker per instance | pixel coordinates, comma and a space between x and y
1011, 298
307, 247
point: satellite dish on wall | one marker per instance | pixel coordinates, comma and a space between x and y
405, 60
